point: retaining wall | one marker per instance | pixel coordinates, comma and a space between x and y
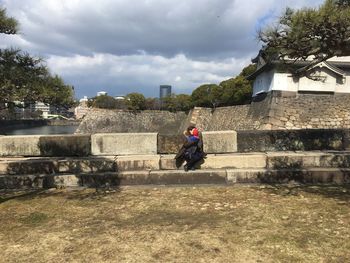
153, 143
290, 110
278, 111
119, 121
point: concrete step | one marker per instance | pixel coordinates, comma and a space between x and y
178, 177
47, 166
98, 164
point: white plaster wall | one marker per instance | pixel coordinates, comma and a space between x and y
271, 80
328, 85
284, 81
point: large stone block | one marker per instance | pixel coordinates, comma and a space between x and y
22, 182
234, 161
190, 177
138, 162
48, 145
220, 141
65, 145
298, 160
87, 165
20, 145
124, 143
292, 140
168, 162
222, 161
172, 177
67, 180
243, 175
168, 144
28, 166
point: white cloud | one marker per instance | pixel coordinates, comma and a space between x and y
142, 72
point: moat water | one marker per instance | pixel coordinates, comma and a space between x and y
43, 130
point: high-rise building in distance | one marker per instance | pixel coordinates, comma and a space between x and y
164, 91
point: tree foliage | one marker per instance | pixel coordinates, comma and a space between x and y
103, 102
180, 102
25, 78
207, 95
320, 33
136, 101
234, 91
8, 25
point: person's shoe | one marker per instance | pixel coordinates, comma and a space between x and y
185, 168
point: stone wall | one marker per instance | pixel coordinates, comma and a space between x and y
308, 111
276, 111
239, 117
272, 111
113, 121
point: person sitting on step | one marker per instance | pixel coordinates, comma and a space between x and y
192, 149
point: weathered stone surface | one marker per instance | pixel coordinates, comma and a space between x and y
99, 180
22, 182
308, 159
65, 145
220, 141
310, 111
134, 177
225, 176
240, 117
123, 143
212, 161
20, 145
243, 175
190, 177
296, 140
138, 162
167, 162
123, 121
234, 161
311, 175
87, 165
67, 180
48, 145
27, 166
168, 144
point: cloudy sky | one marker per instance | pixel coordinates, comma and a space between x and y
123, 46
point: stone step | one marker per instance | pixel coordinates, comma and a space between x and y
98, 164
178, 177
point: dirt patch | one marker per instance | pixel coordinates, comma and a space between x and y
182, 224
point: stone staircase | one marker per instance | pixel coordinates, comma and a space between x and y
228, 169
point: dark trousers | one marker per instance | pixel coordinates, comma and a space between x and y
195, 157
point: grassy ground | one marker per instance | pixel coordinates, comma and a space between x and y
182, 224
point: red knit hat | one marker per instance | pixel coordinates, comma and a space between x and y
195, 132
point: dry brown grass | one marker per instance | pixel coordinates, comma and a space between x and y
182, 224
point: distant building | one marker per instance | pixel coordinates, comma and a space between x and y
84, 100
119, 97
82, 109
40, 107
164, 91
101, 93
